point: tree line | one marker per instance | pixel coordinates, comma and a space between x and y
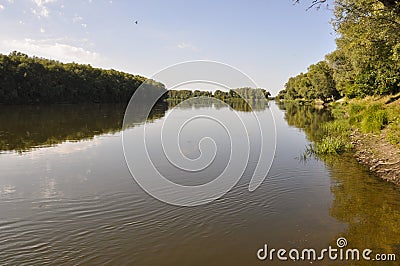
32, 80
366, 60
232, 94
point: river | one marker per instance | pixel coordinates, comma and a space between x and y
67, 195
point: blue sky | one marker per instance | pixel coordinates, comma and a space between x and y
268, 40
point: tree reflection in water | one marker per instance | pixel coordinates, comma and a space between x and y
368, 205
23, 128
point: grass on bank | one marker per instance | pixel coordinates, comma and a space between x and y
369, 115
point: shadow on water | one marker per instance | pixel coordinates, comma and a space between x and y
23, 128
368, 205
306, 117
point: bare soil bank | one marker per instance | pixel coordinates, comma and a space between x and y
382, 157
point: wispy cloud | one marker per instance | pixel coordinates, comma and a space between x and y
41, 9
1, 7
184, 45
53, 49
76, 18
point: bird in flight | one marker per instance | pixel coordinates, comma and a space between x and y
136, 22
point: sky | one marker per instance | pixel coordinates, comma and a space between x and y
269, 40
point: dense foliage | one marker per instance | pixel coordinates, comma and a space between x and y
317, 83
367, 58
233, 94
27, 80
187, 94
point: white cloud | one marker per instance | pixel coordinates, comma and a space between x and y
42, 30
51, 48
76, 18
1, 7
42, 10
184, 45
84, 25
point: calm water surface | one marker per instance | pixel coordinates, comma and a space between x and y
67, 196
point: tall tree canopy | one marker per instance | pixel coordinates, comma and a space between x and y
366, 61
317, 83
367, 58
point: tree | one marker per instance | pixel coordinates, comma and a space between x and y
317, 83
322, 82
367, 58
392, 5
366, 61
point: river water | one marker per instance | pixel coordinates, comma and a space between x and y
67, 196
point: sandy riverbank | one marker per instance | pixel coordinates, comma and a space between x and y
381, 157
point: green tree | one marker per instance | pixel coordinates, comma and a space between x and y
31, 80
322, 83
366, 61
367, 58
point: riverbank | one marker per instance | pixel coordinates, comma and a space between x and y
381, 156
369, 127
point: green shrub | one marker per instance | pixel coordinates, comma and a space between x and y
394, 114
393, 134
374, 119
366, 116
337, 128
338, 112
356, 108
356, 113
332, 145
